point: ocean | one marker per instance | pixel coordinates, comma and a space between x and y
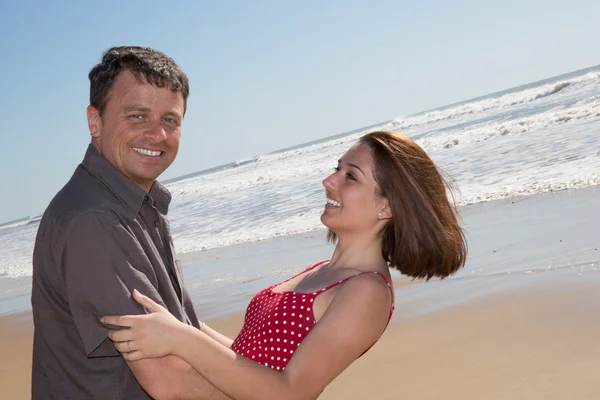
533, 139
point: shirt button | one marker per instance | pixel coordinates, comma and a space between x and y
155, 223
146, 198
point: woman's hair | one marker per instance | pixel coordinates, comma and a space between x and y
423, 238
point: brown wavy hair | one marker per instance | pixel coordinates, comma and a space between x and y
423, 238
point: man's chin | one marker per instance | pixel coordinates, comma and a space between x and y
144, 181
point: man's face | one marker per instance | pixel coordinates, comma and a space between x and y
139, 130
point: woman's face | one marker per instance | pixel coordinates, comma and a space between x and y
352, 202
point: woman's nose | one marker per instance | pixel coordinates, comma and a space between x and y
328, 183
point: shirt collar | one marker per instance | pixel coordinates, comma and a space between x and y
131, 195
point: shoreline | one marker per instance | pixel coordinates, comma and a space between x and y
524, 235
512, 242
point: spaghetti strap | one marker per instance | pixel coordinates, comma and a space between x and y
361, 273
389, 285
301, 272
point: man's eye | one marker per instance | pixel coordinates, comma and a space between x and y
136, 116
170, 120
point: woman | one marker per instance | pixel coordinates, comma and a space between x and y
386, 207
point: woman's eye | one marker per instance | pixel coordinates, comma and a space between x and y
336, 169
350, 176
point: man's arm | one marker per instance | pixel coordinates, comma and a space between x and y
102, 262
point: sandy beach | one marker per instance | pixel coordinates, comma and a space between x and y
536, 344
530, 344
520, 322
16, 336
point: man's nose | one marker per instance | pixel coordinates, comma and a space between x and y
156, 132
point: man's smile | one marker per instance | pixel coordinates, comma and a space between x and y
147, 152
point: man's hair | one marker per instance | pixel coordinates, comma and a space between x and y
146, 64
423, 238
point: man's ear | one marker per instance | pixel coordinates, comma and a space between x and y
385, 212
94, 121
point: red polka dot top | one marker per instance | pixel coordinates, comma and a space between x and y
276, 323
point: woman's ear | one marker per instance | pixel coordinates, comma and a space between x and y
385, 212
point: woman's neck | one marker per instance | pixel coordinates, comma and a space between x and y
358, 253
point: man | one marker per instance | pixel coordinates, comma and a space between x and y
106, 233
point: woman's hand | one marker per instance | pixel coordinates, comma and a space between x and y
144, 336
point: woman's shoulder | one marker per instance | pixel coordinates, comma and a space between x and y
369, 287
364, 299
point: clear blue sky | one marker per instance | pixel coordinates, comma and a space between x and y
266, 74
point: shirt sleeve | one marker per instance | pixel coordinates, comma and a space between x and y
102, 262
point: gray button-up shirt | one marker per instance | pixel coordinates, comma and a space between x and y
100, 238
